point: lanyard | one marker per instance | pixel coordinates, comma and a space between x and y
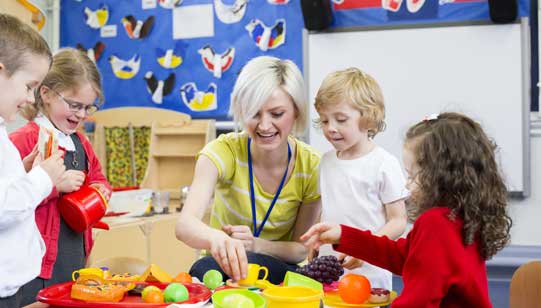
252, 194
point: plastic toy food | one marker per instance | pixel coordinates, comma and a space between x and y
237, 301
148, 289
325, 269
213, 279
354, 289
379, 295
175, 292
155, 274
97, 293
183, 277
154, 296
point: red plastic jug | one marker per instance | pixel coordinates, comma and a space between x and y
83, 209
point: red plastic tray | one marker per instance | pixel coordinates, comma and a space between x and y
58, 295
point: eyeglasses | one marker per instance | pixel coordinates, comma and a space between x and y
76, 106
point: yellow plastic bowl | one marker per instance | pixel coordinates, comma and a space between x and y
292, 297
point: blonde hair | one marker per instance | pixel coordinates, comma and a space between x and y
359, 90
71, 68
257, 81
18, 43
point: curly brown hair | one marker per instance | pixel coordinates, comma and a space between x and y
457, 169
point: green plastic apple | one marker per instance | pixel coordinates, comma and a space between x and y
175, 292
213, 279
237, 301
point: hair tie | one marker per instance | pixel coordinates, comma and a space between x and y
431, 117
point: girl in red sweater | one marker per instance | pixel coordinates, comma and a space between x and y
460, 204
68, 94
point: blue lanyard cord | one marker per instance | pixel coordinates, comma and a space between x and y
252, 194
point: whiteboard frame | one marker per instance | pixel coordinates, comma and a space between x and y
525, 95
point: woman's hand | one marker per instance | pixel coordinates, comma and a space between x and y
321, 233
243, 233
71, 181
103, 190
230, 255
350, 262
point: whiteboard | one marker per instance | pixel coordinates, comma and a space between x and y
474, 69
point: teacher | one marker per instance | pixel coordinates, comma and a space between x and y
263, 180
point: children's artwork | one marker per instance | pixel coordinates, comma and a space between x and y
350, 13
159, 88
93, 53
266, 37
172, 58
204, 43
170, 4
98, 18
232, 13
137, 29
278, 1
217, 63
125, 69
199, 100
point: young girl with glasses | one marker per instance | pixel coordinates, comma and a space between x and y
67, 95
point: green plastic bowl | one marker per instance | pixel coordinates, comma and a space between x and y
258, 300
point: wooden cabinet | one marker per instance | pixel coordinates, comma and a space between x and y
173, 151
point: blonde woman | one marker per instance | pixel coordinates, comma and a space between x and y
68, 94
263, 179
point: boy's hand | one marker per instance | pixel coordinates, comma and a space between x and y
321, 233
28, 161
53, 166
103, 190
350, 262
71, 181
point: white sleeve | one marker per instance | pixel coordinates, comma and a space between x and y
393, 185
20, 195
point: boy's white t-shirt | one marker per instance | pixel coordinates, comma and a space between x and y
353, 192
21, 245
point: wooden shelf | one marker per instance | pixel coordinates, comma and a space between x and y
173, 151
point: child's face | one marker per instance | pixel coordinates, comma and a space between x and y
67, 109
271, 126
18, 89
411, 168
341, 125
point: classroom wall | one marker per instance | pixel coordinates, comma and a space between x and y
526, 213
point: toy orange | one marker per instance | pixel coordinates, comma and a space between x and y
354, 289
153, 296
183, 277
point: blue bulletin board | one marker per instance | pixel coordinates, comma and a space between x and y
352, 13
182, 55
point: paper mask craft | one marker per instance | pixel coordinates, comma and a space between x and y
199, 100
171, 58
93, 53
267, 37
159, 88
229, 14
216, 63
125, 69
98, 18
137, 29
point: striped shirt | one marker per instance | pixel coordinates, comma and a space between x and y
232, 205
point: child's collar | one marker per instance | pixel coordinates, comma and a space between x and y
64, 140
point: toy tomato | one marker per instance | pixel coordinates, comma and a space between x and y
183, 278
354, 289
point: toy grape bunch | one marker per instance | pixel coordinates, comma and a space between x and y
324, 269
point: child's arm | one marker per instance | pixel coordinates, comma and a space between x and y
396, 216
